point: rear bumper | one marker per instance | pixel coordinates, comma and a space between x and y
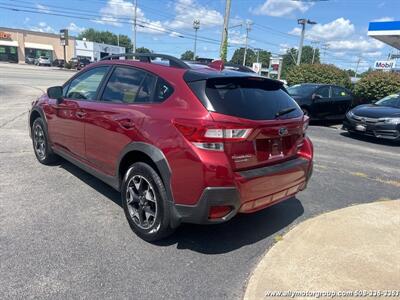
254, 190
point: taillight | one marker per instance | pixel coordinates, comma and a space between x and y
211, 135
306, 149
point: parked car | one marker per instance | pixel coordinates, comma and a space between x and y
58, 63
29, 60
322, 101
380, 119
181, 143
43, 61
79, 63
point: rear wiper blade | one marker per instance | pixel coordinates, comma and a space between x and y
284, 111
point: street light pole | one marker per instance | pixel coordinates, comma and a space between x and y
303, 23
196, 26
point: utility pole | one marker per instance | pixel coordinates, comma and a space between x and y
248, 28
224, 40
315, 44
134, 27
303, 23
324, 48
358, 63
196, 26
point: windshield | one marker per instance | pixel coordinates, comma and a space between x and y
301, 89
391, 100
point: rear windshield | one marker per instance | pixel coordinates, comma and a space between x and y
246, 97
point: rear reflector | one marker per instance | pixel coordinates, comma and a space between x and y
217, 212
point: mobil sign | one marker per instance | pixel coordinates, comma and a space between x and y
384, 64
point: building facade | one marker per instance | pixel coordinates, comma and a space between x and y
20, 46
95, 51
16, 45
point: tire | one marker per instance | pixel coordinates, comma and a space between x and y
145, 203
41, 145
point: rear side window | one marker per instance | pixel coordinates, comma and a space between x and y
163, 90
338, 92
250, 98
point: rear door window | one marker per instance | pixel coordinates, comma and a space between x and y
123, 85
250, 98
324, 92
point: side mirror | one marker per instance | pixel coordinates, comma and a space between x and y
55, 92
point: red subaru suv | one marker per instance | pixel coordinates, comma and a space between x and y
181, 142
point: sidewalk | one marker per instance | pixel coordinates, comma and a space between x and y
355, 248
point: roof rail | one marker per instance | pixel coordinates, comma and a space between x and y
146, 57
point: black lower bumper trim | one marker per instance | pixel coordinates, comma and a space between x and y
211, 196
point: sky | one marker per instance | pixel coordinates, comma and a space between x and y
167, 26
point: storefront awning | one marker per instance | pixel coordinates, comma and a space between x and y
9, 43
386, 32
39, 46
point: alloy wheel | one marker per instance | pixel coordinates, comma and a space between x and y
39, 141
141, 201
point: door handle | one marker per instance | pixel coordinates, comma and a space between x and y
80, 114
126, 123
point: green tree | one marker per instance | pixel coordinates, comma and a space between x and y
143, 50
318, 73
188, 55
351, 72
264, 57
106, 37
290, 58
237, 57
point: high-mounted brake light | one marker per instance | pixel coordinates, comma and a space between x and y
210, 135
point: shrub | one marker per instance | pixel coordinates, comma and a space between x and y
377, 85
318, 73
67, 65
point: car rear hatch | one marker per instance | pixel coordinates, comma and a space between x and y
261, 129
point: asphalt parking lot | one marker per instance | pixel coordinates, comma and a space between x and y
63, 233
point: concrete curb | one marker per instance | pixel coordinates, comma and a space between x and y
354, 248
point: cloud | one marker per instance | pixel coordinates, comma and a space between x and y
43, 27
383, 19
360, 44
119, 12
43, 8
337, 29
236, 38
72, 27
280, 8
373, 54
188, 10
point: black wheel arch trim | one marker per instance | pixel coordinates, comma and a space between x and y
157, 156
39, 110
